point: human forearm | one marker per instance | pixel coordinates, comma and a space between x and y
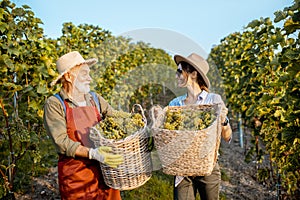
106, 108
226, 132
82, 151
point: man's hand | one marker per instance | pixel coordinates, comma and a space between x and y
103, 155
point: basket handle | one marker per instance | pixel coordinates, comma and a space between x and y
154, 113
141, 109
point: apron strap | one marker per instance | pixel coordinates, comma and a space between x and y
95, 98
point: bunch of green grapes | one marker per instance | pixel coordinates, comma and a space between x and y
120, 125
186, 119
173, 120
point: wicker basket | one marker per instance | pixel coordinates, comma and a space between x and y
136, 169
186, 153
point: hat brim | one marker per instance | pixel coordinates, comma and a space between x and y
179, 58
89, 62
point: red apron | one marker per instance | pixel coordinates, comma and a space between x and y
81, 178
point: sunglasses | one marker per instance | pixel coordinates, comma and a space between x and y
179, 71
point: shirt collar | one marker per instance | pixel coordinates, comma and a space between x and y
202, 95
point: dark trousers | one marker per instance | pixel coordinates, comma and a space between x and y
207, 186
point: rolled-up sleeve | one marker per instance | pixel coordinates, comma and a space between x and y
106, 109
55, 125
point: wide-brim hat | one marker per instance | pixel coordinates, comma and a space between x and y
198, 63
66, 62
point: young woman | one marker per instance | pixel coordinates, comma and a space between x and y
191, 74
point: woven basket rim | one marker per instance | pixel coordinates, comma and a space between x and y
191, 106
131, 136
157, 123
189, 131
125, 139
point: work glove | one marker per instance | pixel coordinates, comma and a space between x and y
103, 155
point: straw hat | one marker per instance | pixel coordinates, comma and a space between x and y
66, 62
198, 63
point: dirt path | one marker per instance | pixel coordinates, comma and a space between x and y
242, 182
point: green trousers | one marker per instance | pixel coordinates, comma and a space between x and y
207, 186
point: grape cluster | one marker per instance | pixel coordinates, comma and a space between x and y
187, 119
120, 125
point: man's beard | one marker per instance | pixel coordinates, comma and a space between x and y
82, 88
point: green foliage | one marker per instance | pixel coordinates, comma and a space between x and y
24, 60
261, 69
83, 38
134, 76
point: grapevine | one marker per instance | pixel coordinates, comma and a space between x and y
120, 125
186, 119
